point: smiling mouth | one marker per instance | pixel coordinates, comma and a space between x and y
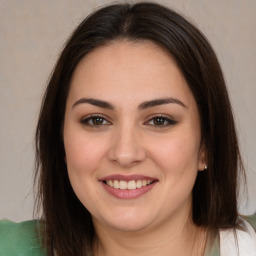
130, 185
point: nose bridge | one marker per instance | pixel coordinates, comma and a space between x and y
126, 147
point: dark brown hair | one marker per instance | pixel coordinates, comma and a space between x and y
68, 225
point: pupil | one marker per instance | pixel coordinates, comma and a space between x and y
159, 121
97, 121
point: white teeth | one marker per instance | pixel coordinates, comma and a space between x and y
123, 184
139, 184
132, 184
116, 184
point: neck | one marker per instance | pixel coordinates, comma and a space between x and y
175, 238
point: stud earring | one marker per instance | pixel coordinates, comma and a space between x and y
205, 167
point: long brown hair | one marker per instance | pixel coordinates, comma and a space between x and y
68, 225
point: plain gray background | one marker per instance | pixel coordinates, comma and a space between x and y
32, 34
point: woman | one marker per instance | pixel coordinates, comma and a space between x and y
137, 151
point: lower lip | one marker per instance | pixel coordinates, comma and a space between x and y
128, 193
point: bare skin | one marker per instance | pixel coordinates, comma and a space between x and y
189, 241
131, 118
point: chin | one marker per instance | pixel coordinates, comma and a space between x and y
125, 222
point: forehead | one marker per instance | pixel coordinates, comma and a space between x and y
124, 69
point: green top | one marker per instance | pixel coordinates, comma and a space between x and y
20, 239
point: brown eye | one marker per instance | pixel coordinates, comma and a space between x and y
161, 121
95, 121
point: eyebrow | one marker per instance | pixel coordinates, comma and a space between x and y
157, 102
142, 106
94, 102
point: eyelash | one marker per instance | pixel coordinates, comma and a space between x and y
167, 121
87, 121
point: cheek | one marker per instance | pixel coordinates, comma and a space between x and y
83, 153
177, 154
83, 156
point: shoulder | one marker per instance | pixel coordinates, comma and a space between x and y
251, 220
243, 241
20, 239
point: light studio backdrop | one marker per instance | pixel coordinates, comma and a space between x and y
32, 34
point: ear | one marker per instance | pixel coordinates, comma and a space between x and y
202, 159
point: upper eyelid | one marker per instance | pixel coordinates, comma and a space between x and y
148, 118
85, 121
171, 120
161, 116
96, 115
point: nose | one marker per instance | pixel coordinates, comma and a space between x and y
127, 148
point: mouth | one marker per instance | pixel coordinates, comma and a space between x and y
128, 187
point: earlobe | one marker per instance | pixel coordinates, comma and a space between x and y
202, 164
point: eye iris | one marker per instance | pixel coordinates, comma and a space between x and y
159, 121
97, 121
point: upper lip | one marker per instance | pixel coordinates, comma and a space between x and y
127, 177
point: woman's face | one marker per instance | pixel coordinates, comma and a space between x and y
132, 137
